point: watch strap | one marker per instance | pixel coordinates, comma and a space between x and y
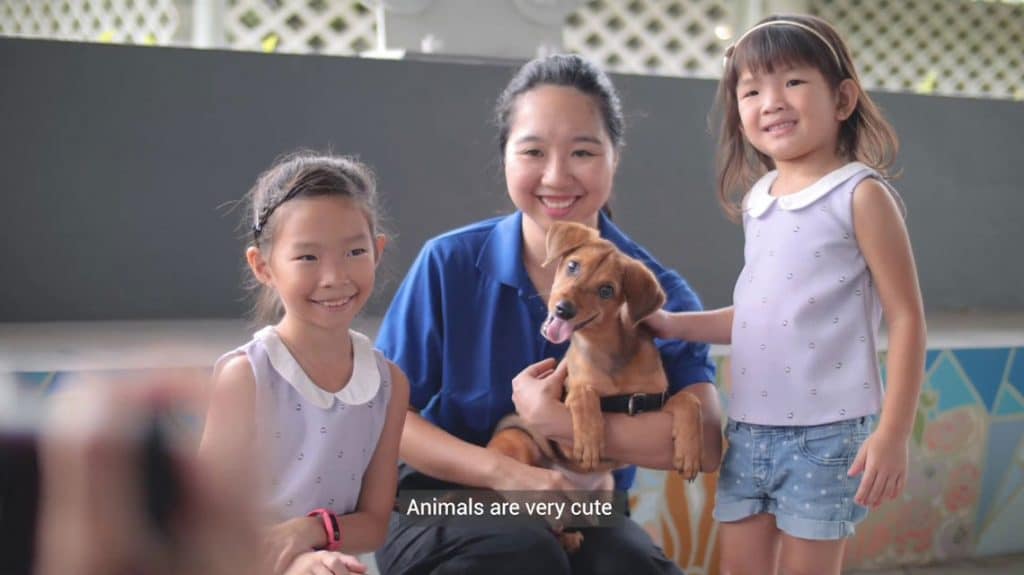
331, 527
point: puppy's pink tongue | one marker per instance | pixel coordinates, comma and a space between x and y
558, 330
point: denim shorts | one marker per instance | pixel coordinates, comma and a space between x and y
797, 474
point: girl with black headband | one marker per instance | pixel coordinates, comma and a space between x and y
321, 408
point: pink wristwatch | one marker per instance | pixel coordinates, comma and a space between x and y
331, 528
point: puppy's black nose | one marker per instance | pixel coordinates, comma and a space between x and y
565, 310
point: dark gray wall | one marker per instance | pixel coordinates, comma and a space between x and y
118, 163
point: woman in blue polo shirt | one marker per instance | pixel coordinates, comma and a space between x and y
466, 322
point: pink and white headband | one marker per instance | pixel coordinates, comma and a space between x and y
729, 51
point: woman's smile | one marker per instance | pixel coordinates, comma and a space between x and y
558, 206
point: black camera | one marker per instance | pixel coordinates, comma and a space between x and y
21, 474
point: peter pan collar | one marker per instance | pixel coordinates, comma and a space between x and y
361, 387
759, 199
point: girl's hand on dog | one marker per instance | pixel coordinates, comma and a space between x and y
665, 324
713, 326
537, 395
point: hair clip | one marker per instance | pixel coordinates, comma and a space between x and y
261, 222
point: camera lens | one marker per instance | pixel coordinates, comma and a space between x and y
19, 500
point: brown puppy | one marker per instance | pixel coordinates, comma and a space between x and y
598, 299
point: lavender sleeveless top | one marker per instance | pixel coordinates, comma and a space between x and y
806, 314
315, 445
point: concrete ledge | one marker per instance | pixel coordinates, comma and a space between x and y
91, 345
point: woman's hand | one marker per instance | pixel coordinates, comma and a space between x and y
516, 476
325, 563
284, 542
526, 484
537, 395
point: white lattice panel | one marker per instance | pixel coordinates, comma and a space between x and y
952, 47
123, 21
666, 37
300, 26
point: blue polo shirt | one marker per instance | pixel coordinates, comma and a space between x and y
466, 320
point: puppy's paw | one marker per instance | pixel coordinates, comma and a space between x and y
571, 541
686, 456
587, 425
687, 433
587, 450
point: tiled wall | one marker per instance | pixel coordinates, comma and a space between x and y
965, 490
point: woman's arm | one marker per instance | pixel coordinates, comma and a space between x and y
644, 440
440, 454
883, 239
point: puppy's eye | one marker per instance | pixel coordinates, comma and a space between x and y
606, 292
573, 267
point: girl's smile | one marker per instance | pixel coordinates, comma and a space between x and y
790, 114
322, 261
780, 128
335, 304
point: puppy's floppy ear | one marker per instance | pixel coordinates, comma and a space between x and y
643, 294
563, 237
